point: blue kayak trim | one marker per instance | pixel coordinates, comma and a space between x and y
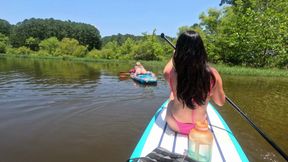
144, 78
139, 147
232, 137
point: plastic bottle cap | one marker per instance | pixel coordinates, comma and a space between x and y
202, 125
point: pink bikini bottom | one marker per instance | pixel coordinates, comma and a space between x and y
184, 128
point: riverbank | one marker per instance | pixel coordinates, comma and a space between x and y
223, 69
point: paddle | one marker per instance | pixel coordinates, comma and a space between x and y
125, 74
277, 148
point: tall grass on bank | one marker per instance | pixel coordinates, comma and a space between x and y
223, 69
248, 71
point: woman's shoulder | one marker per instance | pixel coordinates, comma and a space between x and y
216, 75
214, 72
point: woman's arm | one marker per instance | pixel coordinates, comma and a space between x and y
218, 94
167, 70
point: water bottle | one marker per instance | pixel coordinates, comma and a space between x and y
200, 142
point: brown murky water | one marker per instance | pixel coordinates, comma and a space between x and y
61, 111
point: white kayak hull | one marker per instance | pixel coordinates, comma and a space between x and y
158, 134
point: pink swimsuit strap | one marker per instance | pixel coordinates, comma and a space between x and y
184, 128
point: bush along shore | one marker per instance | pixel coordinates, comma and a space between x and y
223, 69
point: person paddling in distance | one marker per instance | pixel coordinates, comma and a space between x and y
193, 83
139, 68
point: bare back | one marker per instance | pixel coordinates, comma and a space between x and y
182, 113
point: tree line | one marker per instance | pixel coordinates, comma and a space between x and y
243, 32
32, 31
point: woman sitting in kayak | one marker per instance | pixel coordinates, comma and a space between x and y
139, 69
193, 83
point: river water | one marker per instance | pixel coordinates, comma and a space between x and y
54, 110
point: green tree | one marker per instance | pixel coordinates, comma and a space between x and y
5, 27
3, 43
21, 51
120, 38
127, 49
211, 21
32, 43
86, 35
45, 28
261, 27
70, 47
49, 45
226, 2
149, 48
111, 50
209, 30
249, 32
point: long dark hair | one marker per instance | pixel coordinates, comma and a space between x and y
194, 77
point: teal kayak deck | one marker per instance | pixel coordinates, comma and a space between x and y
144, 78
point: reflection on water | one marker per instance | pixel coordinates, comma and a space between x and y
52, 110
263, 99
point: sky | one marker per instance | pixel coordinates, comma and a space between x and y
113, 16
